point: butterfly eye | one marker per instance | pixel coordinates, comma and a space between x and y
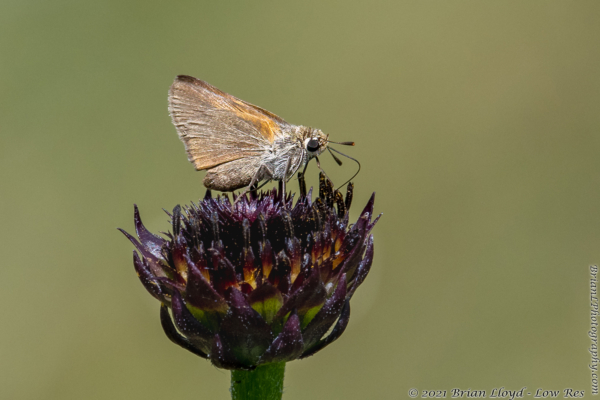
312, 145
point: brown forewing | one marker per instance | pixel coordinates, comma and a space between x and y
217, 127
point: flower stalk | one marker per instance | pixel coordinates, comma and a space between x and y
263, 383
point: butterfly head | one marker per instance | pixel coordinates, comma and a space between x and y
315, 142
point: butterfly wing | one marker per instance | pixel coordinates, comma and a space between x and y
233, 175
217, 127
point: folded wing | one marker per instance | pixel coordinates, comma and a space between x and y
217, 127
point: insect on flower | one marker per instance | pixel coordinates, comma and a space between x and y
240, 144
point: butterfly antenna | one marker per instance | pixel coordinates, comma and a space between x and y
337, 160
353, 159
342, 143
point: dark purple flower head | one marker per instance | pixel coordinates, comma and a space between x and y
258, 281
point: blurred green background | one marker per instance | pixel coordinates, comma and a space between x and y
477, 124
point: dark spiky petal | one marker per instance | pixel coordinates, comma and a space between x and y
369, 207
354, 246
222, 356
288, 345
223, 274
152, 242
179, 256
148, 279
200, 294
174, 336
327, 315
259, 281
266, 300
292, 246
309, 296
372, 224
152, 261
280, 275
193, 329
363, 267
340, 327
244, 330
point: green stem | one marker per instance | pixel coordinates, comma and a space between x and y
263, 383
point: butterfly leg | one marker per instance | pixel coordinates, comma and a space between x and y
324, 173
302, 184
302, 181
263, 173
284, 180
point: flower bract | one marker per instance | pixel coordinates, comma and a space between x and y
261, 280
